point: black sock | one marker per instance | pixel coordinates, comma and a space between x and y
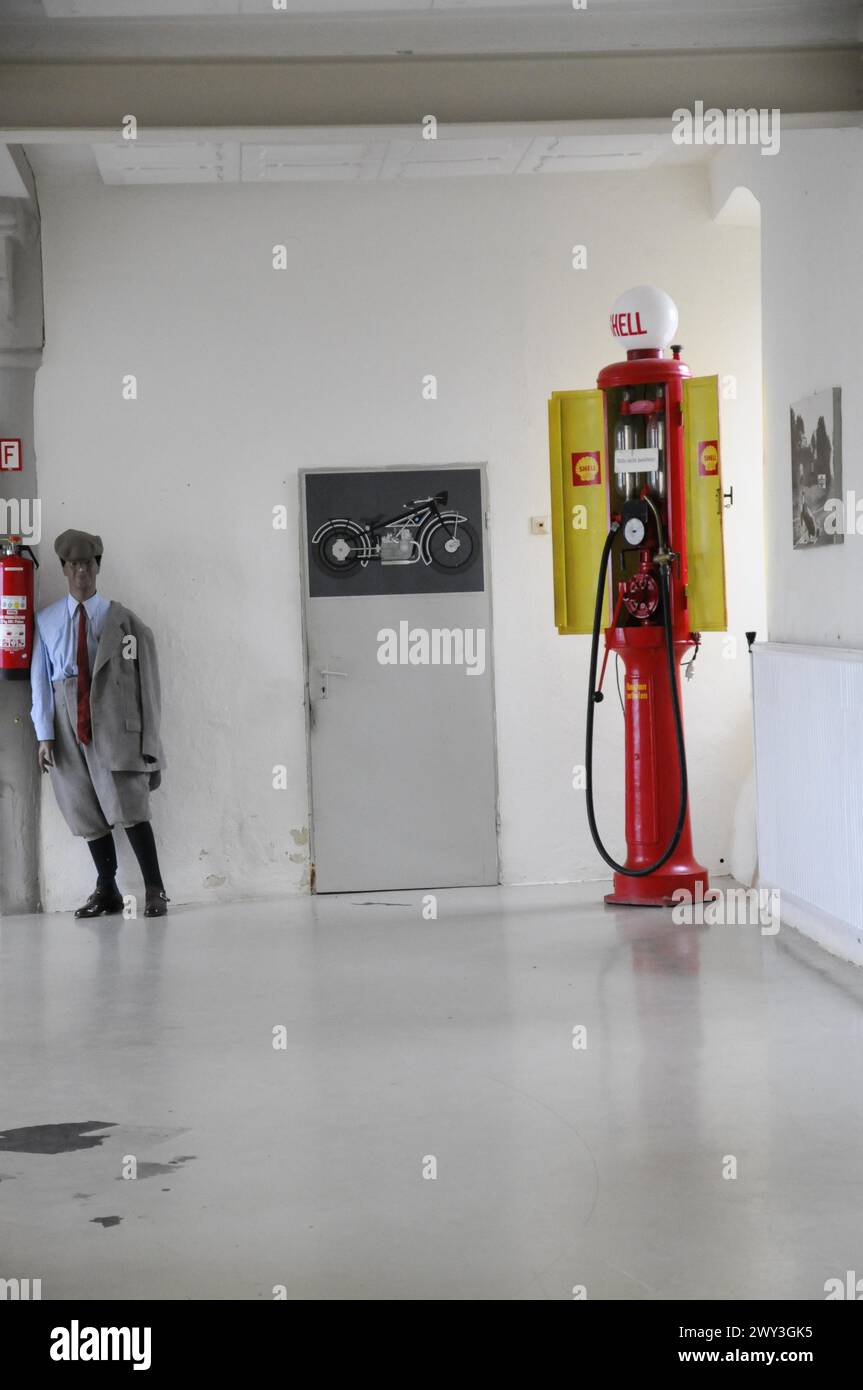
143, 842
105, 858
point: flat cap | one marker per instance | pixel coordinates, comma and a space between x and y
78, 545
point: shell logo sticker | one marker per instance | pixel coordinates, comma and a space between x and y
708, 458
585, 470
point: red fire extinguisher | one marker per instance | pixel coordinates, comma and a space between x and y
17, 592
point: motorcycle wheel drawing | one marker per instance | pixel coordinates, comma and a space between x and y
423, 532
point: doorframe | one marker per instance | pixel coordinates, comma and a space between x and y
305, 599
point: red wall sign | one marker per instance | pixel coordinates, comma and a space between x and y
10, 455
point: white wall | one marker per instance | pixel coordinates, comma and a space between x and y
246, 375
811, 197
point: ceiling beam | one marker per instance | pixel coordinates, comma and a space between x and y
401, 91
331, 29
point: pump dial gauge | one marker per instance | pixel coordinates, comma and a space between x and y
634, 530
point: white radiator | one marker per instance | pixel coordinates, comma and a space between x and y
808, 705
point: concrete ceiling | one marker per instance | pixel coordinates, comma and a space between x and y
367, 154
353, 154
74, 65
53, 30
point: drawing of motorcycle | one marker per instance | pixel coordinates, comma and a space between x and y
423, 531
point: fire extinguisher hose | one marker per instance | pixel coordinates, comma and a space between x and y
665, 599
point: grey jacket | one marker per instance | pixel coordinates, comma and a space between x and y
125, 697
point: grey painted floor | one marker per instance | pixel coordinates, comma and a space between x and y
408, 1038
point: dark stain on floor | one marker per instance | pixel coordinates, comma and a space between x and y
106, 1221
54, 1139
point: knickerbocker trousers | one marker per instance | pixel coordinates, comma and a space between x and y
91, 797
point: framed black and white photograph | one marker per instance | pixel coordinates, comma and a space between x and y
816, 469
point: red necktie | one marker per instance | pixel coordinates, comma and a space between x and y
83, 659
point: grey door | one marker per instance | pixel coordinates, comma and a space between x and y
400, 692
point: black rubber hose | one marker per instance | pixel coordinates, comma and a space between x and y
665, 601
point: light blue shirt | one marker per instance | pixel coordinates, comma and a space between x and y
55, 650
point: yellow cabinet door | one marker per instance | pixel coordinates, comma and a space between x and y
704, 549
579, 504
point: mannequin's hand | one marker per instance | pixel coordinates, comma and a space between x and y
46, 754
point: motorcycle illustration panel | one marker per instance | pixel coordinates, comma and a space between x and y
424, 532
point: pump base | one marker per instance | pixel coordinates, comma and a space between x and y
655, 890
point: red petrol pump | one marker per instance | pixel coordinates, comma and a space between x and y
637, 536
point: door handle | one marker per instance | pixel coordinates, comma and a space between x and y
325, 682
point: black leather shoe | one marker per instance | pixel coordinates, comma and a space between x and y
105, 902
157, 902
